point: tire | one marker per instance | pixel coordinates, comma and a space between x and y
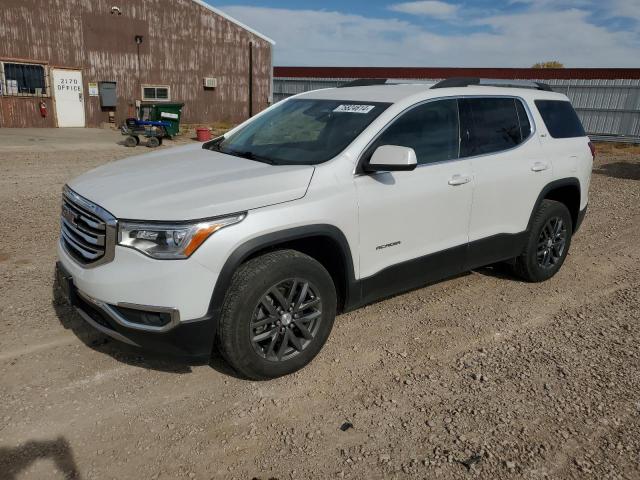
153, 142
252, 327
548, 243
131, 141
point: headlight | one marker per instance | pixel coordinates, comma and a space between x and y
169, 241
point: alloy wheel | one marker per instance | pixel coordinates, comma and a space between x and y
552, 242
286, 320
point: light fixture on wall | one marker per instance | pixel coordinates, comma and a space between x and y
116, 11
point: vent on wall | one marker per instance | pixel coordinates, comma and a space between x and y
210, 82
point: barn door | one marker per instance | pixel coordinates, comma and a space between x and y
69, 95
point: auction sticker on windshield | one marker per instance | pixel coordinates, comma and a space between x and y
354, 108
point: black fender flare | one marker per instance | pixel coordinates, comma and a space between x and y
563, 182
250, 247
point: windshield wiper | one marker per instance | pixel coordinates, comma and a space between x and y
249, 156
213, 144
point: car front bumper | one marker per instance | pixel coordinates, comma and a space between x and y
179, 290
133, 278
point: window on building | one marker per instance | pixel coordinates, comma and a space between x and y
156, 92
491, 125
23, 79
560, 118
430, 129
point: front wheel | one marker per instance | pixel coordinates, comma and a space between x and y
132, 141
548, 243
277, 314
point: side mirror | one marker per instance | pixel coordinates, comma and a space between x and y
392, 158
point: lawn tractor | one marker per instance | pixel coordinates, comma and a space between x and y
155, 121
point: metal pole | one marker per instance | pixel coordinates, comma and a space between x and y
138, 39
138, 42
250, 79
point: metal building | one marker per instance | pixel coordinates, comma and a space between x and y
606, 99
81, 63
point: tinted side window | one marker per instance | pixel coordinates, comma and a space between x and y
560, 118
430, 129
490, 125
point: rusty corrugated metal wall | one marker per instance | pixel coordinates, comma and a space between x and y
183, 43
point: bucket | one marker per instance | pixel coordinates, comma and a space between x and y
203, 134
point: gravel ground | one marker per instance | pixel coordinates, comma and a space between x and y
481, 376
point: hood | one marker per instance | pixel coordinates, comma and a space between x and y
188, 183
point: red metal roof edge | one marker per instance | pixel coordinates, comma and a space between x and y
419, 72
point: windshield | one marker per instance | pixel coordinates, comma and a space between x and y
301, 132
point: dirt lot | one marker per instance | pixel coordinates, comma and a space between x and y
481, 376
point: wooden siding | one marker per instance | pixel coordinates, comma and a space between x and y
22, 112
183, 43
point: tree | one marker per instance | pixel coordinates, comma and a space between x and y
551, 64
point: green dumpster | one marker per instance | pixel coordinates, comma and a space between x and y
163, 112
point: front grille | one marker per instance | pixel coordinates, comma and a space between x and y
87, 231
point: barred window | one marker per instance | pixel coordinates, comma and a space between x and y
23, 79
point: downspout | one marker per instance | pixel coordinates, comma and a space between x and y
250, 79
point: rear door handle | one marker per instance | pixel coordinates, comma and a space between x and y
459, 180
539, 167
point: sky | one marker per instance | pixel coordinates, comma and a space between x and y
470, 33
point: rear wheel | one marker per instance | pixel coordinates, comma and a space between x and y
277, 314
548, 243
153, 142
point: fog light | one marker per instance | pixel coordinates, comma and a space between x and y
151, 319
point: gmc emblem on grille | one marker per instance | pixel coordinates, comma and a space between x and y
69, 216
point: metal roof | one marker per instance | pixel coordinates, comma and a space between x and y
233, 20
433, 73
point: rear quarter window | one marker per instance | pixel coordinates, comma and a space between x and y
560, 118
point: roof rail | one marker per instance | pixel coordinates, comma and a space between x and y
491, 82
365, 82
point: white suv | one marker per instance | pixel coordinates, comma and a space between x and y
320, 204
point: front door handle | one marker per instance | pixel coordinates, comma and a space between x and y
457, 180
539, 167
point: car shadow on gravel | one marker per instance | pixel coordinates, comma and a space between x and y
124, 353
13, 461
624, 170
501, 271
102, 343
